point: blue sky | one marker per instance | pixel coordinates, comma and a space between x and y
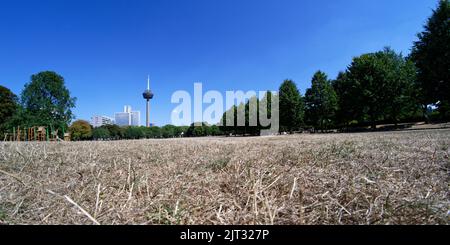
105, 48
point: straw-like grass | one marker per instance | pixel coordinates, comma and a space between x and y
367, 178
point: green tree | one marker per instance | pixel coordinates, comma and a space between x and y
349, 110
198, 131
431, 54
80, 130
265, 110
206, 129
133, 132
153, 132
215, 130
169, 131
291, 107
115, 132
252, 116
252, 126
240, 128
182, 130
379, 85
46, 101
404, 103
229, 124
320, 102
100, 133
8, 107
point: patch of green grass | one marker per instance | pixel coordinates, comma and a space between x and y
343, 149
3, 215
166, 216
219, 164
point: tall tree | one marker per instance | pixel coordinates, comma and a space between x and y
251, 116
431, 54
291, 107
267, 117
229, 123
380, 83
8, 107
253, 123
46, 101
348, 109
404, 103
320, 102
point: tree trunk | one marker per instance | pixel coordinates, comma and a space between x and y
425, 114
373, 122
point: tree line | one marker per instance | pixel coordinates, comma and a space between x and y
380, 87
44, 101
82, 130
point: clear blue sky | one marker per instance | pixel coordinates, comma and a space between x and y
105, 48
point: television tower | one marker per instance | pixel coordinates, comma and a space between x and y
148, 95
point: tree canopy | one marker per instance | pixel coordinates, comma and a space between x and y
431, 54
8, 107
291, 107
46, 101
379, 85
80, 130
101, 133
320, 102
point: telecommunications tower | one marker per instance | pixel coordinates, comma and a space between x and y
148, 95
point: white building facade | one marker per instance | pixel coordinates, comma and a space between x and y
128, 117
135, 118
98, 121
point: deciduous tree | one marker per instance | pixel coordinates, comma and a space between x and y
291, 107
8, 107
380, 85
320, 102
431, 54
47, 101
80, 130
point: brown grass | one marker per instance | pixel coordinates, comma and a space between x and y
370, 178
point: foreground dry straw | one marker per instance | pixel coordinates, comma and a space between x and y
370, 178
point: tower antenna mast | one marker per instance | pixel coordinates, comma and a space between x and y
148, 95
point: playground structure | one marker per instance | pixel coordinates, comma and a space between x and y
38, 133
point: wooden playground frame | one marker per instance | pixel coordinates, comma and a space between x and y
37, 133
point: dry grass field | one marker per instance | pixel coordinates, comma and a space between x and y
366, 178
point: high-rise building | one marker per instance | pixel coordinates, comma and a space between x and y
135, 118
128, 117
127, 108
122, 118
98, 121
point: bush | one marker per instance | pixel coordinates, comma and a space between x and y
80, 130
134, 133
101, 133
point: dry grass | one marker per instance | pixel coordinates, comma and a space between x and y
371, 178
